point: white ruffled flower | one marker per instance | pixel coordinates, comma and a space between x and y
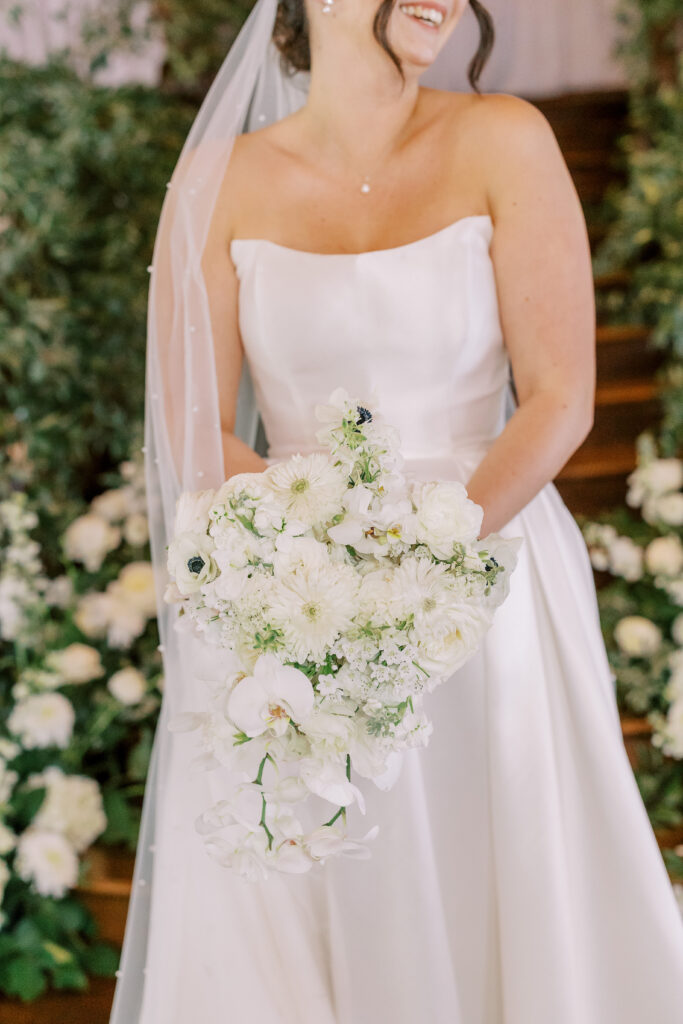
442, 650
42, 720
93, 613
668, 509
269, 698
59, 592
136, 530
111, 505
445, 516
77, 663
72, 806
312, 608
192, 511
89, 539
134, 586
128, 685
309, 487
664, 555
656, 477
48, 861
637, 636
626, 559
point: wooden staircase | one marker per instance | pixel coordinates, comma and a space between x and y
586, 126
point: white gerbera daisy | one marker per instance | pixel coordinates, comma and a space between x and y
309, 486
313, 608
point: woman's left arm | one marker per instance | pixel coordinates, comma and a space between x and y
544, 280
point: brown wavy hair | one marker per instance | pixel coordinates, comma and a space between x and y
290, 35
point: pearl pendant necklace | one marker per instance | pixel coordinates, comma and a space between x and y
365, 187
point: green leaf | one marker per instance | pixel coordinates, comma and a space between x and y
22, 977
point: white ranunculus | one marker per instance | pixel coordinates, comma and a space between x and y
312, 608
111, 505
134, 586
445, 516
192, 511
302, 553
637, 636
42, 720
89, 539
191, 562
48, 861
72, 806
626, 559
309, 487
668, 508
77, 663
136, 530
128, 685
253, 485
92, 614
270, 697
126, 623
664, 555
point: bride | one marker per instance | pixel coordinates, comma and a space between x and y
341, 225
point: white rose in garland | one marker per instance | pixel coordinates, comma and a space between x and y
72, 805
637, 636
89, 539
42, 720
48, 861
77, 663
128, 685
664, 555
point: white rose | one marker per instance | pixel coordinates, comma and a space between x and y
445, 516
626, 559
77, 663
72, 806
668, 508
192, 511
664, 555
637, 636
136, 530
48, 861
135, 586
92, 614
89, 539
662, 475
190, 561
111, 505
128, 685
442, 653
42, 720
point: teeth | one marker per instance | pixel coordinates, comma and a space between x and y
429, 14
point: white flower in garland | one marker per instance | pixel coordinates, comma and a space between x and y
48, 861
8, 840
308, 486
664, 555
42, 720
8, 780
134, 586
625, 558
666, 508
637, 636
72, 806
77, 663
136, 530
89, 539
312, 608
111, 505
128, 685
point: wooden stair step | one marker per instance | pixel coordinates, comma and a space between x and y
597, 460
627, 392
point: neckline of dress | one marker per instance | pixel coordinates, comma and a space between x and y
368, 252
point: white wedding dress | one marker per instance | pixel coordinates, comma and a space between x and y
515, 878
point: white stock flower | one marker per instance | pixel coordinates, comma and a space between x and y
42, 720
637, 636
89, 539
313, 607
664, 555
308, 486
72, 806
128, 685
191, 562
77, 663
134, 586
48, 861
445, 516
269, 698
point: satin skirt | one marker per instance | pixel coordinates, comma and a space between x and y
515, 878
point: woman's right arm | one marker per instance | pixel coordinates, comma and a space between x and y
222, 288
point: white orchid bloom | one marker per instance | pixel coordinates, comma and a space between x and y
269, 698
326, 841
328, 780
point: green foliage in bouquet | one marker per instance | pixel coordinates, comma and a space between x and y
82, 179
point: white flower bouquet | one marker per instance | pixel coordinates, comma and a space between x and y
338, 593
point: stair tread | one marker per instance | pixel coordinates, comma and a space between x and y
625, 391
593, 460
614, 333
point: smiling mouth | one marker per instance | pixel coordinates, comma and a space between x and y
425, 15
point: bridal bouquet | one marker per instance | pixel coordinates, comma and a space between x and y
337, 593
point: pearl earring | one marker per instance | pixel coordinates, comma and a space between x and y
327, 6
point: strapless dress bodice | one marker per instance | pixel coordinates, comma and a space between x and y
414, 329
